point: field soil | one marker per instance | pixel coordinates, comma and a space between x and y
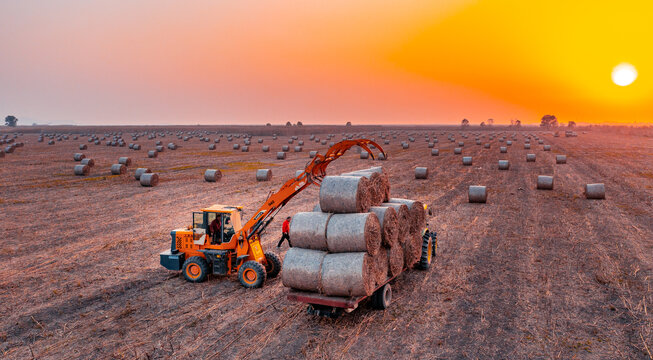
529, 274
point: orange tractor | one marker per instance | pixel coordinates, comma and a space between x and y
218, 243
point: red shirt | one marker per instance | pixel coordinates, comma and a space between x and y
215, 226
285, 227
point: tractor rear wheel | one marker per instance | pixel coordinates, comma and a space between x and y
427, 252
195, 269
273, 267
251, 274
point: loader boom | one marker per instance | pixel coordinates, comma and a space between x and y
313, 173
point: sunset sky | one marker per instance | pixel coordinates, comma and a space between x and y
324, 62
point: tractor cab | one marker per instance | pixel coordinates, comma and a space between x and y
216, 225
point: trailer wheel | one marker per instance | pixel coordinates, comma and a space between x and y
195, 269
382, 297
427, 252
273, 266
251, 274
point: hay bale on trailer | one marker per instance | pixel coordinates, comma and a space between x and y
141, 171
149, 179
417, 217
308, 230
212, 175
345, 194
395, 259
302, 269
348, 274
412, 249
388, 221
263, 175
359, 232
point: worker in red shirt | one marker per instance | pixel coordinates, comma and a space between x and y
285, 228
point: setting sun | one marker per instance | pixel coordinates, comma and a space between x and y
624, 74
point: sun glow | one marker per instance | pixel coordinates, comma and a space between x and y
624, 74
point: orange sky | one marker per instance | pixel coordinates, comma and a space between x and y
365, 61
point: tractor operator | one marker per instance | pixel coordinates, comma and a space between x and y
285, 228
215, 230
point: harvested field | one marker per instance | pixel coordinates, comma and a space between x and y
530, 274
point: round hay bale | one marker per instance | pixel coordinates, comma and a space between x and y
118, 169
364, 155
136, 147
236, 146
431, 145
504, 164
149, 179
172, 146
348, 274
467, 160
380, 267
263, 175
545, 182
435, 152
345, 194
211, 146
547, 147
540, 142
245, 148
160, 148
312, 154
308, 230
457, 151
561, 159
417, 214
353, 233
83, 147
412, 248
266, 148
125, 161
376, 186
404, 145
82, 170
51, 142
298, 149
302, 269
141, 171
388, 221
486, 145
595, 191
503, 149
152, 153
421, 173
281, 155
477, 194
461, 144
380, 156
509, 143
87, 161
79, 156
530, 157
317, 208
285, 148
403, 219
395, 259
527, 146
212, 175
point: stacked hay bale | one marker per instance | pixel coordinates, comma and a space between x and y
356, 238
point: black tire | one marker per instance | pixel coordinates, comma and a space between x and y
273, 267
434, 237
251, 274
195, 269
382, 297
427, 252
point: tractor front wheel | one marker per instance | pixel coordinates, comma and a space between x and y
195, 269
273, 267
251, 274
